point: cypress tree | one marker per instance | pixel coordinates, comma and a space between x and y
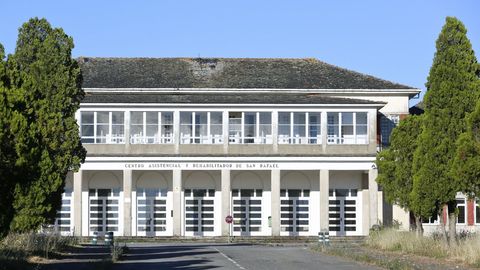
466, 165
451, 94
49, 82
7, 152
395, 163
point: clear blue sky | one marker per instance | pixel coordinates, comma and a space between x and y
394, 40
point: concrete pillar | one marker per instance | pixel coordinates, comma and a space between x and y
226, 201
324, 123
225, 127
275, 131
127, 202
373, 192
177, 202
324, 191
77, 203
275, 189
176, 131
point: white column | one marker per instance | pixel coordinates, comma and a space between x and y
275, 189
226, 201
77, 202
275, 131
127, 202
177, 202
373, 192
324, 127
324, 190
176, 131
225, 131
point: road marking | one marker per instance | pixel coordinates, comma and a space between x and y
230, 259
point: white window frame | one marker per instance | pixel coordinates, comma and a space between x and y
108, 138
257, 139
293, 139
209, 138
160, 138
332, 139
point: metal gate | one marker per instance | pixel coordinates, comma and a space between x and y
152, 212
247, 211
199, 211
103, 209
63, 221
343, 211
294, 211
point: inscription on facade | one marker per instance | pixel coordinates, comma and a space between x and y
200, 165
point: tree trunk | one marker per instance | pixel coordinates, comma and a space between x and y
418, 226
442, 225
452, 221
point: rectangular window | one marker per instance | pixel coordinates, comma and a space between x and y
347, 127
461, 206
299, 128
250, 127
201, 127
102, 127
151, 127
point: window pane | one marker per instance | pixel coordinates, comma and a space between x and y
250, 118
299, 118
265, 118
118, 130
152, 117
102, 130
216, 117
87, 130
347, 130
87, 117
361, 118
117, 118
136, 130
152, 130
347, 118
102, 118
185, 118
136, 118
284, 118
361, 130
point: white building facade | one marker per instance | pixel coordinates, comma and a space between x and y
285, 146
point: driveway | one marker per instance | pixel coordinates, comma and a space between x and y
149, 256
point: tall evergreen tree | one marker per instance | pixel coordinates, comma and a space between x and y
395, 163
49, 82
451, 94
7, 153
466, 166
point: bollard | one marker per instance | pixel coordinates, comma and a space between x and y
321, 238
109, 238
327, 238
95, 238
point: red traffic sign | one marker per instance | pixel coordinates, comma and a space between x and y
229, 219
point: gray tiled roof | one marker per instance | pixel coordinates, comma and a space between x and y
272, 73
221, 98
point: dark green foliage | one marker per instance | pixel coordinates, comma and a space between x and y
395, 173
466, 166
45, 92
7, 151
452, 90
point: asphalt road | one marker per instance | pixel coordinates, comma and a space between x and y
185, 256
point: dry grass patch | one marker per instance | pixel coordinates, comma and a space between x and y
465, 251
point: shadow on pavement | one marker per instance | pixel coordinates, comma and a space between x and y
168, 257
